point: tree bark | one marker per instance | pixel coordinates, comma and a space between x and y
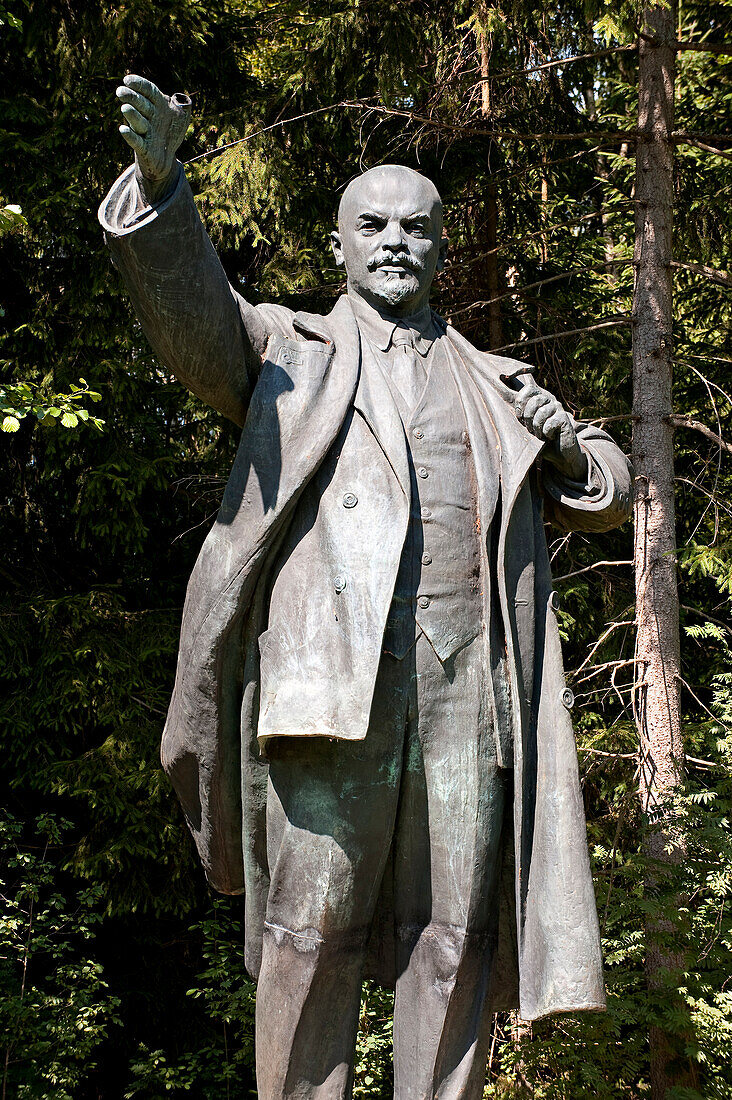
493, 278
657, 703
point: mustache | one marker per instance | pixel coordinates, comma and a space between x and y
399, 260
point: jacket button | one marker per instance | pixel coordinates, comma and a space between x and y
426, 559
423, 471
554, 601
424, 601
350, 500
568, 698
418, 433
339, 583
426, 514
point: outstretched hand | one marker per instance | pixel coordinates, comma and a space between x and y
545, 418
154, 127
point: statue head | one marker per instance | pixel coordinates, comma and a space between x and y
389, 238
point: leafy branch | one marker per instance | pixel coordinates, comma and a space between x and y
21, 399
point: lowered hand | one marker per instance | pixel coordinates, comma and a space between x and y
545, 418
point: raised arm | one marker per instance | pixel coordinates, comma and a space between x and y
197, 324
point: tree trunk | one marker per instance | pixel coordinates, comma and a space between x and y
657, 704
493, 278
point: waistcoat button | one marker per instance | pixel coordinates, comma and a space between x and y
423, 471
418, 433
339, 583
424, 601
350, 500
426, 559
426, 514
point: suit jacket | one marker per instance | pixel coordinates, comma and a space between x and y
294, 382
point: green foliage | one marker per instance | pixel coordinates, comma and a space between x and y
11, 217
135, 977
24, 399
222, 1053
55, 1004
373, 1072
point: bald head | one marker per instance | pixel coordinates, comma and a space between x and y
390, 238
391, 178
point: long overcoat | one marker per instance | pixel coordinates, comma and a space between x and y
295, 401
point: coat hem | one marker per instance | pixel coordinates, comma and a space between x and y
565, 1010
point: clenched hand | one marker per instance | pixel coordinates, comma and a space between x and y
545, 418
154, 126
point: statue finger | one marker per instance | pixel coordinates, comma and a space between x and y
526, 392
135, 141
139, 102
554, 424
134, 119
543, 414
532, 406
146, 88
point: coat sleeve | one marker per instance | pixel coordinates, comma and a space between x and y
605, 500
198, 325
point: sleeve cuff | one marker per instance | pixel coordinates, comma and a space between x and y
124, 210
594, 494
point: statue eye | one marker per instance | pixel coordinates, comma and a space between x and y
368, 225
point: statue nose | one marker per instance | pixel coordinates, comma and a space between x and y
393, 238
395, 246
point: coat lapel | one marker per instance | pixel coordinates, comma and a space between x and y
375, 401
518, 448
373, 398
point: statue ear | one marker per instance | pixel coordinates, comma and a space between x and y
335, 244
444, 243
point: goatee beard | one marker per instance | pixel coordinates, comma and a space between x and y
396, 290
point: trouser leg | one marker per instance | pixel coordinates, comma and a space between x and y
447, 854
330, 818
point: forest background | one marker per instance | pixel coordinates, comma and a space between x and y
121, 976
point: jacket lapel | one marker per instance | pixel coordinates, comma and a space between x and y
518, 448
373, 398
375, 401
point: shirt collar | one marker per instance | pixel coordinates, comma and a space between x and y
383, 330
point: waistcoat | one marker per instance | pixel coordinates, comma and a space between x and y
439, 584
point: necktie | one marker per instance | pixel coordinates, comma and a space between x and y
407, 371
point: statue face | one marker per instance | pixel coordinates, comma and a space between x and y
390, 238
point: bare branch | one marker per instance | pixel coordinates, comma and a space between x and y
707, 763
610, 419
561, 335
587, 568
603, 637
714, 717
475, 131
704, 146
561, 62
596, 270
677, 421
711, 273
706, 616
612, 755
597, 669
704, 47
